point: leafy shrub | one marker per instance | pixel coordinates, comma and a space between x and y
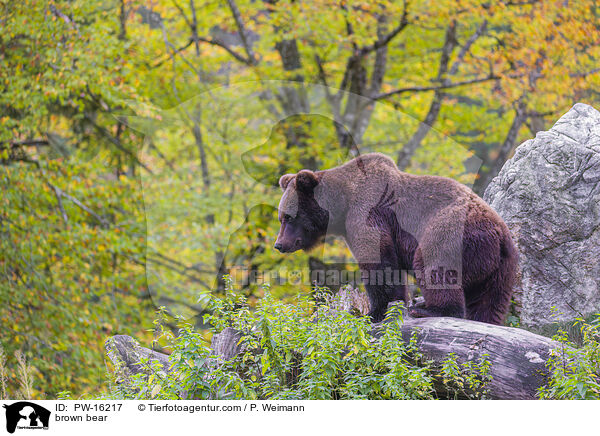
24, 380
575, 371
301, 351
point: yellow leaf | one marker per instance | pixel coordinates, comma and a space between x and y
155, 391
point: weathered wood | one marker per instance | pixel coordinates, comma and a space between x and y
127, 355
226, 344
517, 357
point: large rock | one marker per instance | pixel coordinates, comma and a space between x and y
549, 196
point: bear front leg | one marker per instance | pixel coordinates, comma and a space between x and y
369, 237
383, 285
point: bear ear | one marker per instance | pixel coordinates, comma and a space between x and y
284, 181
306, 181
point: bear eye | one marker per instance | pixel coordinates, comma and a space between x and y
288, 218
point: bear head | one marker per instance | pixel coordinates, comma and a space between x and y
303, 221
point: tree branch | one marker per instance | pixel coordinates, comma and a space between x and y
507, 145
380, 62
218, 43
123, 21
58, 195
323, 79
349, 29
116, 142
237, 16
406, 153
463, 52
173, 52
194, 26
435, 87
195, 38
345, 79
63, 17
381, 42
585, 73
79, 204
25, 143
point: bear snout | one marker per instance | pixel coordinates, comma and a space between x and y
287, 248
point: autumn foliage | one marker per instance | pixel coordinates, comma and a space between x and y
140, 142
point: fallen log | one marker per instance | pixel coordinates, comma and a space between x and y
517, 357
130, 358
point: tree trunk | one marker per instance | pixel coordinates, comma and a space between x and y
406, 153
507, 147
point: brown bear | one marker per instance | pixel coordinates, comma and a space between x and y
395, 224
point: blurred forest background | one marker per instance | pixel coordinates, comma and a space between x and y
141, 142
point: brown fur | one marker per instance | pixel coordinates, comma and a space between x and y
460, 249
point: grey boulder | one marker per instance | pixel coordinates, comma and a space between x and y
549, 196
